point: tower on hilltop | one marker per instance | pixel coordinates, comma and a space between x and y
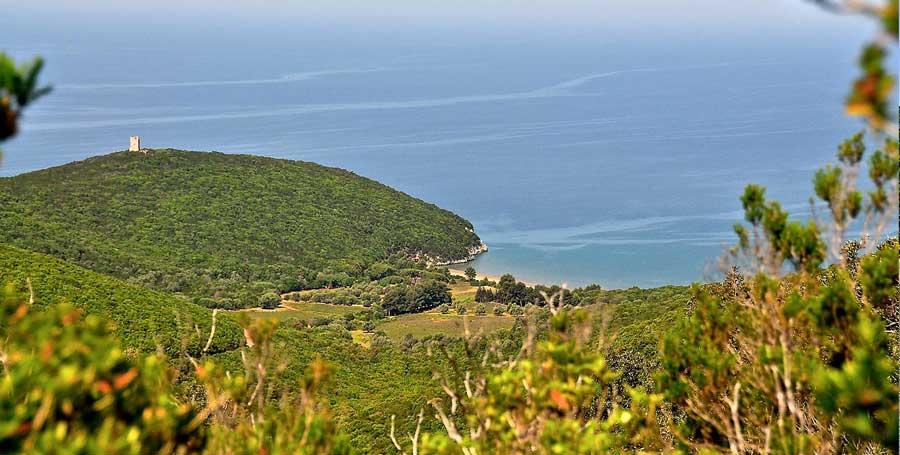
135, 144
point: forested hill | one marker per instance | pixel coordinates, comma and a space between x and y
205, 223
142, 319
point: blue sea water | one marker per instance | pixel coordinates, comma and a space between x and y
590, 157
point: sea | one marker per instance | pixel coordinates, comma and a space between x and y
590, 154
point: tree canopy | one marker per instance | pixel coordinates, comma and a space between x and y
212, 224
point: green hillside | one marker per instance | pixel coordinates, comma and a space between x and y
142, 319
206, 224
366, 386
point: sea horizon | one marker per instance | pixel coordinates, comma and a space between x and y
578, 161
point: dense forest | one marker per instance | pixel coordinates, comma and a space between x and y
222, 226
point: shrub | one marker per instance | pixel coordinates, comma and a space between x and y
803, 360
515, 310
250, 415
66, 384
269, 300
553, 401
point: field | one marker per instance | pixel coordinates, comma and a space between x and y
425, 324
303, 310
462, 292
418, 325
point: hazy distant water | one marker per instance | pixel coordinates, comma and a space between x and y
596, 160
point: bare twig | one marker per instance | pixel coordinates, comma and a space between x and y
30, 291
415, 438
212, 332
393, 437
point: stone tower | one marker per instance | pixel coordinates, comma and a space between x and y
135, 144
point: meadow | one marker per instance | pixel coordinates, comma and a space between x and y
303, 310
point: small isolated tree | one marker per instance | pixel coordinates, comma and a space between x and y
368, 326
471, 273
480, 309
269, 300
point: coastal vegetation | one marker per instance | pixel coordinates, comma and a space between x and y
145, 322
141, 319
225, 229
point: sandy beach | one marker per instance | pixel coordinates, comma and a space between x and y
481, 276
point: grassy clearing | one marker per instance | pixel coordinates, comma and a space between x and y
463, 292
361, 338
425, 324
303, 310
417, 325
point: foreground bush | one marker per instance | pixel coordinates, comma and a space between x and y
550, 396
68, 387
803, 362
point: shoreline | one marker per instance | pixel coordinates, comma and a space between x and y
474, 251
482, 276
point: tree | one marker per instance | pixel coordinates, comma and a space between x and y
484, 295
427, 295
480, 309
395, 301
269, 300
470, 273
511, 291
505, 288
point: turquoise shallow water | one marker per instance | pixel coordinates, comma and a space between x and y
599, 159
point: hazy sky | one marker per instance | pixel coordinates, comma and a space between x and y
648, 16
